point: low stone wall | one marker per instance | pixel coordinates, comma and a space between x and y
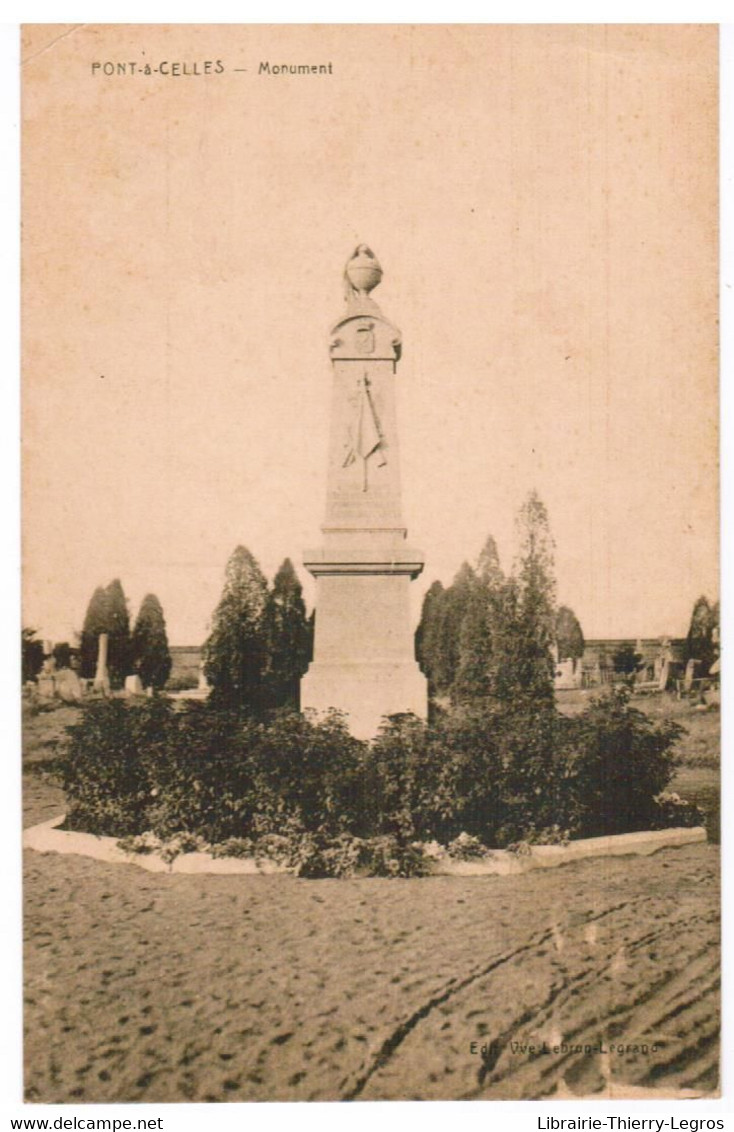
48, 838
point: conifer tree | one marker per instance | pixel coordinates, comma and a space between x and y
150, 654
488, 569
288, 638
491, 636
700, 642
508, 661
96, 621
473, 678
311, 627
438, 634
568, 634
62, 654
107, 613
31, 654
458, 603
235, 653
536, 599
428, 634
118, 655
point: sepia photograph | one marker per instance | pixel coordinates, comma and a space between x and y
371, 649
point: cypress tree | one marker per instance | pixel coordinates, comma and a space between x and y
479, 626
118, 627
96, 621
288, 638
569, 637
458, 603
62, 654
700, 643
427, 635
107, 613
149, 645
31, 654
235, 652
536, 599
488, 569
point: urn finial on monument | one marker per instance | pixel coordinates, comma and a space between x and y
364, 660
362, 273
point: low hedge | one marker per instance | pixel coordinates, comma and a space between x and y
331, 804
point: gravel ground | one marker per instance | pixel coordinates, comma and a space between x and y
153, 988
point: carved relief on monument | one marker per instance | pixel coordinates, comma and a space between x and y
358, 336
365, 439
365, 338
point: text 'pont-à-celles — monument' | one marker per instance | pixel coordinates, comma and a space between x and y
364, 657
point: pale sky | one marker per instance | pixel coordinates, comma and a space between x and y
543, 203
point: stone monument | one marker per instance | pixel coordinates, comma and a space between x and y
68, 686
101, 676
364, 656
46, 683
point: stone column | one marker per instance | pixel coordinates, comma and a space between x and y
46, 683
101, 676
364, 657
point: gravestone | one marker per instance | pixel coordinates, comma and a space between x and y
101, 676
364, 658
46, 685
68, 686
134, 686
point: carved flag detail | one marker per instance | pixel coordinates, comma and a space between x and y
365, 436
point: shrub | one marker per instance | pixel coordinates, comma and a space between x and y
182, 682
408, 781
672, 810
106, 774
169, 848
500, 770
308, 773
386, 856
466, 848
314, 856
309, 795
202, 778
552, 835
625, 660
619, 760
234, 847
132, 768
142, 844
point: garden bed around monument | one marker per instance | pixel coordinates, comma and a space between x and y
47, 837
476, 792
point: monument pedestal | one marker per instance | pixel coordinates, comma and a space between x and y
366, 690
364, 657
364, 662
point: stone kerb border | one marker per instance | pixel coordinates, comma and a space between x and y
47, 838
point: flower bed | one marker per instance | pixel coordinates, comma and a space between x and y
162, 858
307, 796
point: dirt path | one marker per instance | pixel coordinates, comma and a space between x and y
143, 987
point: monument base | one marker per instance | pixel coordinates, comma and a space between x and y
366, 691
